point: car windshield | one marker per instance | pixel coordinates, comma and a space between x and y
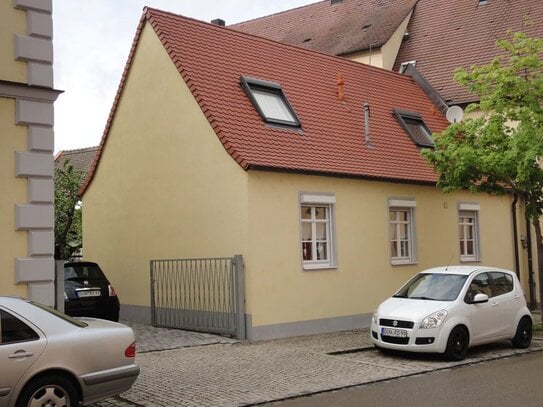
60, 315
435, 287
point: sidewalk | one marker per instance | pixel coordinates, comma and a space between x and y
226, 372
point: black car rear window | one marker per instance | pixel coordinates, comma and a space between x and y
83, 271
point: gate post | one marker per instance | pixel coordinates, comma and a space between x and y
240, 296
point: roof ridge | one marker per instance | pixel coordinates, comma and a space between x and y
278, 13
78, 150
277, 43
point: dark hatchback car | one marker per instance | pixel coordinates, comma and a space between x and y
88, 292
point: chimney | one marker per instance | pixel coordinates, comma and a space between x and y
219, 22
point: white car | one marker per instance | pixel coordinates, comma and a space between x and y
449, 309
50, 359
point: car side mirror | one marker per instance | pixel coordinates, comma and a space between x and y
480, 298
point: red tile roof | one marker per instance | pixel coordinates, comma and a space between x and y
211, 60
445, 34
82, 158
335, 29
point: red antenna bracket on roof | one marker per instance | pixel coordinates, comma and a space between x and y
340, 83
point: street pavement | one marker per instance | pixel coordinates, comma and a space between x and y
180, 368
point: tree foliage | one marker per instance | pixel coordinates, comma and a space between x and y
68, 234
500, 148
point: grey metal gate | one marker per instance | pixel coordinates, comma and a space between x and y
204, 295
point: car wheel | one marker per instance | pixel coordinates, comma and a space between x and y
523, 336
51, 390
457, 344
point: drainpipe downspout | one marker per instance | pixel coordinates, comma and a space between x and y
531, 282
515, 235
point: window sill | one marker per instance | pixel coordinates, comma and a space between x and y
316, 267
403, 262
469, 260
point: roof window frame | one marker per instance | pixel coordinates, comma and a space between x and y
250, 84
402, 115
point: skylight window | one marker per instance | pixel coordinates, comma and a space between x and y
415, 127
270, 102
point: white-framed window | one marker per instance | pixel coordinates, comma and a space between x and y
468, 231
317, 230
401, 221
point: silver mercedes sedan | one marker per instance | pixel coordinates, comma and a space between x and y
50, 359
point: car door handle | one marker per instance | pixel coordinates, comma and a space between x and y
21, 354
494, 304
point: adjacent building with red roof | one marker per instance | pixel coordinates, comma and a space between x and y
222, 143
437, 36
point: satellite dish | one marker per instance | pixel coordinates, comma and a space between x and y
454, 114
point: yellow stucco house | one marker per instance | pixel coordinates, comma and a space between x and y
221, 143
26, 149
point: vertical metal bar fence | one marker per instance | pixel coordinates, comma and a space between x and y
204, 295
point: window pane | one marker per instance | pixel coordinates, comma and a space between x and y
307, 251
15, 330
306, 231
503, 283
272, 105
404, 231
404, 248
402, 216
393, 232
306, 212
320, 212
469, 247
394, 248
321, 231
322, 251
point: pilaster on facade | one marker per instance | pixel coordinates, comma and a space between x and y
34, 110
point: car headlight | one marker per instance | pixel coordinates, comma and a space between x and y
374, 318
434, 320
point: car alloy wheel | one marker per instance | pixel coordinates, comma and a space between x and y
49, 391
523, 335
457, 344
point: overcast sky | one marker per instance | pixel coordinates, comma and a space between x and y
92, 39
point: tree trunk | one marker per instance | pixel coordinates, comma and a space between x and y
539, 243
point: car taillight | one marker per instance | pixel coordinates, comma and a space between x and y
130, 352
112, 292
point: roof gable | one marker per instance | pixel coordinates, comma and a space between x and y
211, 60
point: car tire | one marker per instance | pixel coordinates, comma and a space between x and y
457, 344
49, 390
523, 335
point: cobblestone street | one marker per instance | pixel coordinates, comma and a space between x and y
226, 372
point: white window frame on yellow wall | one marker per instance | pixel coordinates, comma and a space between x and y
468, 232
317, 231
402, 232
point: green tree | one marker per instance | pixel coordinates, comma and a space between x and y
500, 151
67, 210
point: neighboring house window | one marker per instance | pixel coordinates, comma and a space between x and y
401, 220
468, 232
317, 230
415, 127
270, 102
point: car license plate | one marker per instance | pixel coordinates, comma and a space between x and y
88, 293
398, 333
